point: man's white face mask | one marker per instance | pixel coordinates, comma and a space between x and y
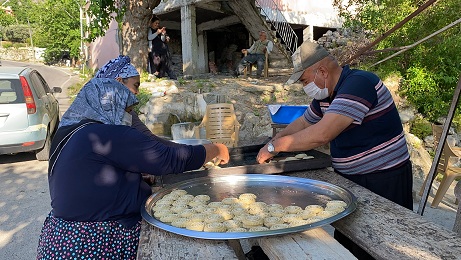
313, 91
127, 119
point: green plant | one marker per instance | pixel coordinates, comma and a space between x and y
73, 90
144, 77
421, 128
181, 81
143, 97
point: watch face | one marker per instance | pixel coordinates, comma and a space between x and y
270, 148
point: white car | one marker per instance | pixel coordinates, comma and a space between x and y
29, 112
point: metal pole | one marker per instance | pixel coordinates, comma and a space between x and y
438, 151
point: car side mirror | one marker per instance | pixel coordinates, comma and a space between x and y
56, 90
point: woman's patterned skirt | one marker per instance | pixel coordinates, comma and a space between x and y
61, 239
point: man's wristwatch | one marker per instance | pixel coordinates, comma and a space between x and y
271, 148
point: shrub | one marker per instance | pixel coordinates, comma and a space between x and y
421, 128
143, 97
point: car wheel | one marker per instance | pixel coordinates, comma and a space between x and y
44, 153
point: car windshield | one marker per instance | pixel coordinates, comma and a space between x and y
11, 91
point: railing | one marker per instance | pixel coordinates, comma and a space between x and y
275, 17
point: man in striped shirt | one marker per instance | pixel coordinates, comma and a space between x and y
354, 112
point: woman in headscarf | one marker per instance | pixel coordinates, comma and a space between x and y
95, 179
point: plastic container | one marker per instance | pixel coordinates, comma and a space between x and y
287, 114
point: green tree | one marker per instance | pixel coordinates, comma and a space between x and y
430, 70
57, 28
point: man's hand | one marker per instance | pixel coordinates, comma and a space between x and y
244, 51
263, 155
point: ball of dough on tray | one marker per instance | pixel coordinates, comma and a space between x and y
170, 196
305, 214
225, 213
187, 213
315, 208
239, 211
160, 207
291, 217
291, 158
200, 208
270, 221
198, 217
164, 202
279, 226
257, 210
240, 217
196, 226
178, 192
232, 223
214, 227
300, 155
277, 213
186, 198
178, 208
180, 222
335, 208
179, 203
252, 220
298, 223
274, 206
258, 228
308, 157
293, 209
201, 197
195, 203
337, 203
244, 204
238, 229
244, 196
162, 212
209, 210
230, 200
326, 214
169, 218
215, 204
214, 218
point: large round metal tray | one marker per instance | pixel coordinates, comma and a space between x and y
284, 190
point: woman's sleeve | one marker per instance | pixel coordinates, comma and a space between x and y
150, 35
136, 152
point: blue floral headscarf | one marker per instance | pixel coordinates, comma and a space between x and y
118, 67
102, 100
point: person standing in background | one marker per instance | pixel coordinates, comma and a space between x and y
159, 58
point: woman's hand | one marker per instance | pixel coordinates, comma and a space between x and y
219, 153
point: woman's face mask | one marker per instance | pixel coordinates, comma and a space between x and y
127, 119
313, 91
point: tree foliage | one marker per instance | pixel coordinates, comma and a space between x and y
430, 70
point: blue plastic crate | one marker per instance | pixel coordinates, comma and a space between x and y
287, 114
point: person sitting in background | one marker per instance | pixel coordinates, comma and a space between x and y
94, 175
159, 61
256, 53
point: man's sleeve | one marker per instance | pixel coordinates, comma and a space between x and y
250, 50
269, 47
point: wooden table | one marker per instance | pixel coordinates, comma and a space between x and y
276, 126
384, 229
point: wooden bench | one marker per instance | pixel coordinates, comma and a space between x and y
312, 244
382, 228
277, 126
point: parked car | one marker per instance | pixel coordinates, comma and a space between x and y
29, 112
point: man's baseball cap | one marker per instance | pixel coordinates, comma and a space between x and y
305, 56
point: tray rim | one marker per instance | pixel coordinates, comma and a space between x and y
242, 235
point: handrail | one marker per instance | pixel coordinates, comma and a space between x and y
273, 14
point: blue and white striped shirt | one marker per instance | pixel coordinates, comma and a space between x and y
375, 140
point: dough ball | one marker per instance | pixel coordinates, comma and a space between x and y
196, 226
214, 227
258, 229
293, 209
279, 226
